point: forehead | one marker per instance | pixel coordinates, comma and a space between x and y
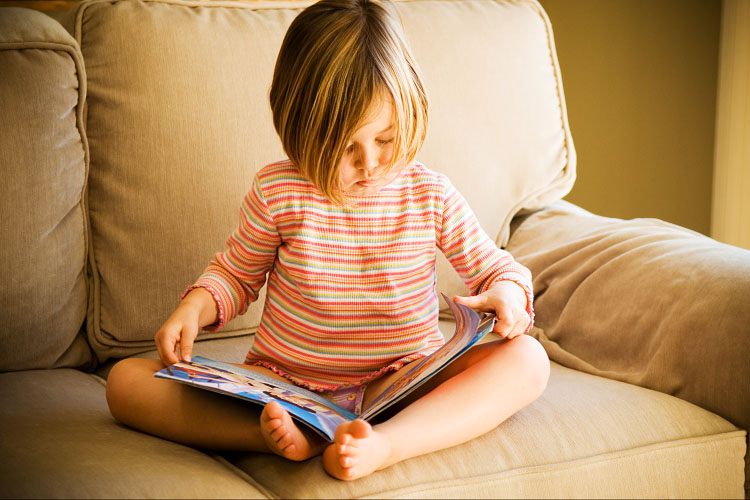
378, 118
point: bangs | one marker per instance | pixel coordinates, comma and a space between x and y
410, 107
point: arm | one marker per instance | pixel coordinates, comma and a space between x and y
234, 278
231, 281
498, 283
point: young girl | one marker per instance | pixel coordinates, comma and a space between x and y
346, 232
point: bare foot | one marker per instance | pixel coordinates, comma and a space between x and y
357, 451
283, 436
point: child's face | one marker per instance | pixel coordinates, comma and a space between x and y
368, 152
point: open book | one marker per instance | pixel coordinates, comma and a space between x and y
311, 408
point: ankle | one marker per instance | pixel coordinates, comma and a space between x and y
393, 449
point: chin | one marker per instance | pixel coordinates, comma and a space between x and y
366, 189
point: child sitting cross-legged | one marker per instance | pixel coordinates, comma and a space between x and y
344, 233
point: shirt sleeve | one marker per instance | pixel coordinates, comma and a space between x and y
234, 277
471, 252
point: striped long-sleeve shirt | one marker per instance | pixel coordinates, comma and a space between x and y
351, 289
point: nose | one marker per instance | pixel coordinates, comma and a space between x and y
368, 160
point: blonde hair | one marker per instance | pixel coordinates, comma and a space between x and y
339, 58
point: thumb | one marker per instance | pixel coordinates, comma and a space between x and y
472, 301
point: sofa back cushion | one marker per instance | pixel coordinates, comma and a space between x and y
179, 122
42, 219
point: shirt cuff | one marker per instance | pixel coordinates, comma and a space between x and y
221, 320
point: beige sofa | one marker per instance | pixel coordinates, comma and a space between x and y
127, 139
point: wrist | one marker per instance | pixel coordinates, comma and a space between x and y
201, 303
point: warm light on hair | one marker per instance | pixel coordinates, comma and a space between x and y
338, 61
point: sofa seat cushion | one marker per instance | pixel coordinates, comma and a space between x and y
586, 436
59, 440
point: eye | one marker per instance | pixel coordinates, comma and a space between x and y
349, 149
383, 142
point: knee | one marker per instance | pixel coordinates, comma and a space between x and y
120, 383
535, 363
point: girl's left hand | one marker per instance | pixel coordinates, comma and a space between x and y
508, 301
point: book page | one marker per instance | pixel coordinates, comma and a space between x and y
305, 406
470, 328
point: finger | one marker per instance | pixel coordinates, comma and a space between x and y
503, 321
513, 334
186, 342
521, 324
525, 322
167, 355
166, 345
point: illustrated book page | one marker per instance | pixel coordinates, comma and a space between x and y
311, 408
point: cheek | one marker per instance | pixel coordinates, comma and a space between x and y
386, 153
346, 172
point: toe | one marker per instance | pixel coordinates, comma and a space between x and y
348, 473
274, 425
348, 462
359, 429
274, 410
278, 433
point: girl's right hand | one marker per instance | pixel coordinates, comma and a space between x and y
182, 327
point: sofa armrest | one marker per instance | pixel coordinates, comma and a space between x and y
644, 302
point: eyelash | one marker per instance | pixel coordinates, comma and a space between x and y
350, 148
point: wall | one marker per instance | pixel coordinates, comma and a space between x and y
640, 82
730, 221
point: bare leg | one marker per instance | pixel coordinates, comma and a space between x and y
488, 384
199, 418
